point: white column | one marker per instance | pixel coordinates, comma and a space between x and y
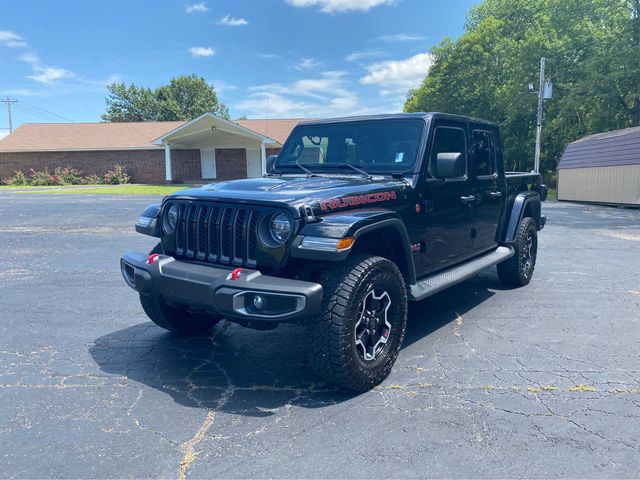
167, 163
263, 157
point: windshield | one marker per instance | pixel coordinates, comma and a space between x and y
376, 146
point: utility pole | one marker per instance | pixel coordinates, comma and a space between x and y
8, 101
536, 165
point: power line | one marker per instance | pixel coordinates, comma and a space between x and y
46, 111
595, 61
35, 113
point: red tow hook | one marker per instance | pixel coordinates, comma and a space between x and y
153, 258
235, 274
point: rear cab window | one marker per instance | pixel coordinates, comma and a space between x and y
484, 153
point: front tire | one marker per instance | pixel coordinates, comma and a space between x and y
356, 338
518, 270
177, 320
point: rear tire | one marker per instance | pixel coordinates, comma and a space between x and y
518, 270
176, 320
356, 338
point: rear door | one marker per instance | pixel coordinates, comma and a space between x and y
488, 193
448, 219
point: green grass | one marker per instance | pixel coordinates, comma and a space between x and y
553, 194
103, 189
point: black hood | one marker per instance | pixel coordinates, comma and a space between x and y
295, 192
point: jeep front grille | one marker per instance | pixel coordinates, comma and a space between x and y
218, 233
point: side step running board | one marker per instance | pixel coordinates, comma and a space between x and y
430, 285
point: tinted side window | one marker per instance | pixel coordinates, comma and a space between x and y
484, 153
448, 140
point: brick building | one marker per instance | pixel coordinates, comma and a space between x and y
207, 148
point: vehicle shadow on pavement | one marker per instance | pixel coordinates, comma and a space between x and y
247, 372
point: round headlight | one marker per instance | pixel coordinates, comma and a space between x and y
171, 219
280, 227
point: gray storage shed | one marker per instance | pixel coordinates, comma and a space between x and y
602, 168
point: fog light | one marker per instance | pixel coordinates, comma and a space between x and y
259, 302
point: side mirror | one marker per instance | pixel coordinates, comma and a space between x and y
449, 165
271, 161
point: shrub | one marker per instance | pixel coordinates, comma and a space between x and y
20, 178
116, 176
68, 176
43, 178
92, 179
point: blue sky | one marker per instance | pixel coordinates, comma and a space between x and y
281, 58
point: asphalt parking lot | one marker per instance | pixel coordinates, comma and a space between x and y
542, 381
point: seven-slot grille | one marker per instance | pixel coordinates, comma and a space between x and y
224, 234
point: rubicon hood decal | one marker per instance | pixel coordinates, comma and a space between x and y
355, 200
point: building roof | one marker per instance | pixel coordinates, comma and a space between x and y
276, 128
31, 137
85, 136
618, 147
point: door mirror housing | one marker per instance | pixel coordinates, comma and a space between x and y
449, 165
271, 162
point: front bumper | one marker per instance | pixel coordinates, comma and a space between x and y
212, 289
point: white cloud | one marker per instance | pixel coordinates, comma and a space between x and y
51, 74
307, 64
363, 54
11, 39
222, 86
202, 51
268, 55
340, 6
402, 74
401, 37
43, 73
323, 96
196, 8
229, 21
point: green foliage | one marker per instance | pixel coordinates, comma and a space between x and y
68, 176
20, 178
117, 176
184, 98
42, 178
592, 49
92, 179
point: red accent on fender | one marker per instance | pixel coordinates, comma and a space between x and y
235, 274
153, 258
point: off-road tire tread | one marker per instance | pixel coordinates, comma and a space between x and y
328, 332
509, 271
173, 319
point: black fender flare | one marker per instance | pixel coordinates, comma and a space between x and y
150, 217
353, 224
521, 202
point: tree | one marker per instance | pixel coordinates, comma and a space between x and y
592, 53
184, 98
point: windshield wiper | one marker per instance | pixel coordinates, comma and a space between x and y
304, 169
355, 169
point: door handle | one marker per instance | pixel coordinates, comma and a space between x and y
495, 194
467, 199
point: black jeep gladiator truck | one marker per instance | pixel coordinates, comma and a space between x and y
354, 218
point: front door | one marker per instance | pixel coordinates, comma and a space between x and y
208, 164
448, 219
488, 191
